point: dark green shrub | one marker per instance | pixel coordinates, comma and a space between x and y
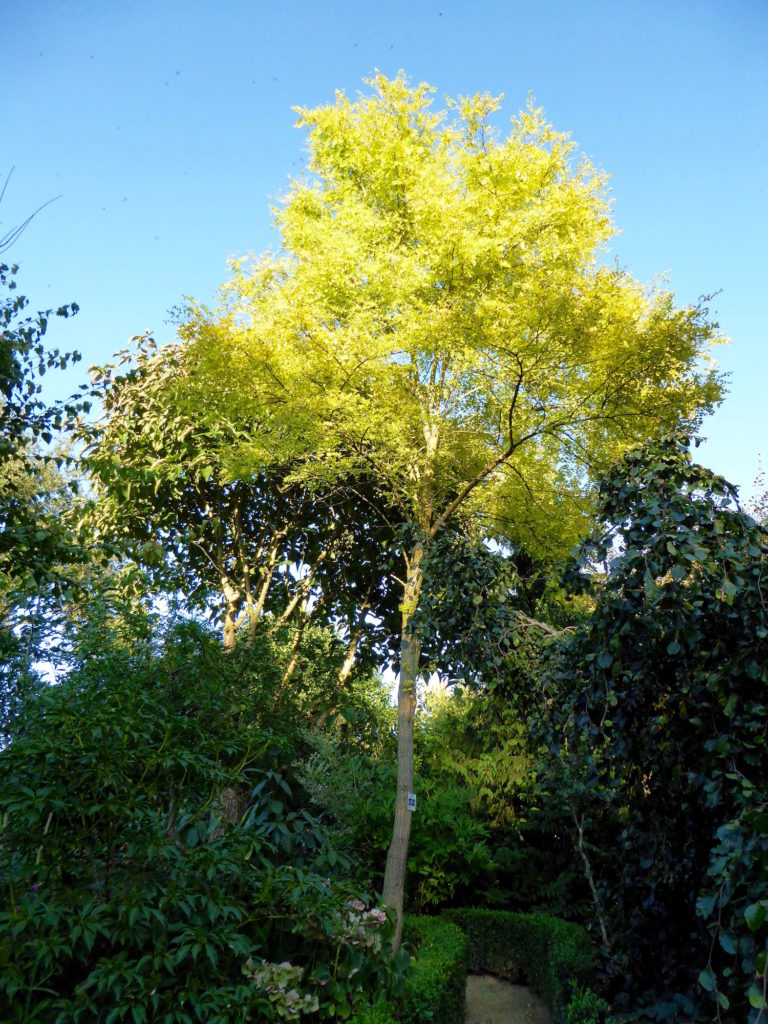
378, 1013
551, 955
435, 991
353, 792
657, 718
129, 894
586, 1007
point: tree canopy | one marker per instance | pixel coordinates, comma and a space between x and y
39, 547
440, 312
440, 317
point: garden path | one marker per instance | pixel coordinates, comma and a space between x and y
491, 1001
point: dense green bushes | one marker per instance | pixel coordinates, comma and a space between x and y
154, 865
190, 836
352, 788
553, 956
657, 720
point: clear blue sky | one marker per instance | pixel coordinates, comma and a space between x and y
167, 128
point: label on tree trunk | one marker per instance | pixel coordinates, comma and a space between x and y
411, 801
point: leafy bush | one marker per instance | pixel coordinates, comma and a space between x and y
376, 1013
551, 955
586, 1007
153, 867
658, 721
353, 793
40, 550
449, 854
436, 985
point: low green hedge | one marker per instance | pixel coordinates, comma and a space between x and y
436, 984
552, 955
379, 1013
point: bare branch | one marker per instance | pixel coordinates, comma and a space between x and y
493, 465
7, 240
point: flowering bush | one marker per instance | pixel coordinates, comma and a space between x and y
359, 927
279, 982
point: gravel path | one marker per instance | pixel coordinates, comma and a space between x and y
490, 1001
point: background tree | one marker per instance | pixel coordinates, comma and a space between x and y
41, 550
245, 548
440, 319
758, 506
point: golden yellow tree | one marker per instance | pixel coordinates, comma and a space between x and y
439, 318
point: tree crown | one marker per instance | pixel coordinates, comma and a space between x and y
439, 315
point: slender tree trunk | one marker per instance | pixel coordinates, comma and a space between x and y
301, 593
354, 641
410, 650
233, 600
256, 609
293, 658
579, 823
349, 658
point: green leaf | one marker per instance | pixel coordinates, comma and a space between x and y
705, 905
756, 998
707, 980
759, 821
754, 915
651, 589
730, 706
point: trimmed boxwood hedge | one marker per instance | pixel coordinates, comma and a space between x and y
437, 982
547, 953
379, 1013
553, 956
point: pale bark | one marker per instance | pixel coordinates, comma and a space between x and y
256, 608
349, 658
410, 650
302, 619
229, 807
234, 600
301, 593
354, 641
579, 823
293, 658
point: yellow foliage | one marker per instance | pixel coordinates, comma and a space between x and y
439, 316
